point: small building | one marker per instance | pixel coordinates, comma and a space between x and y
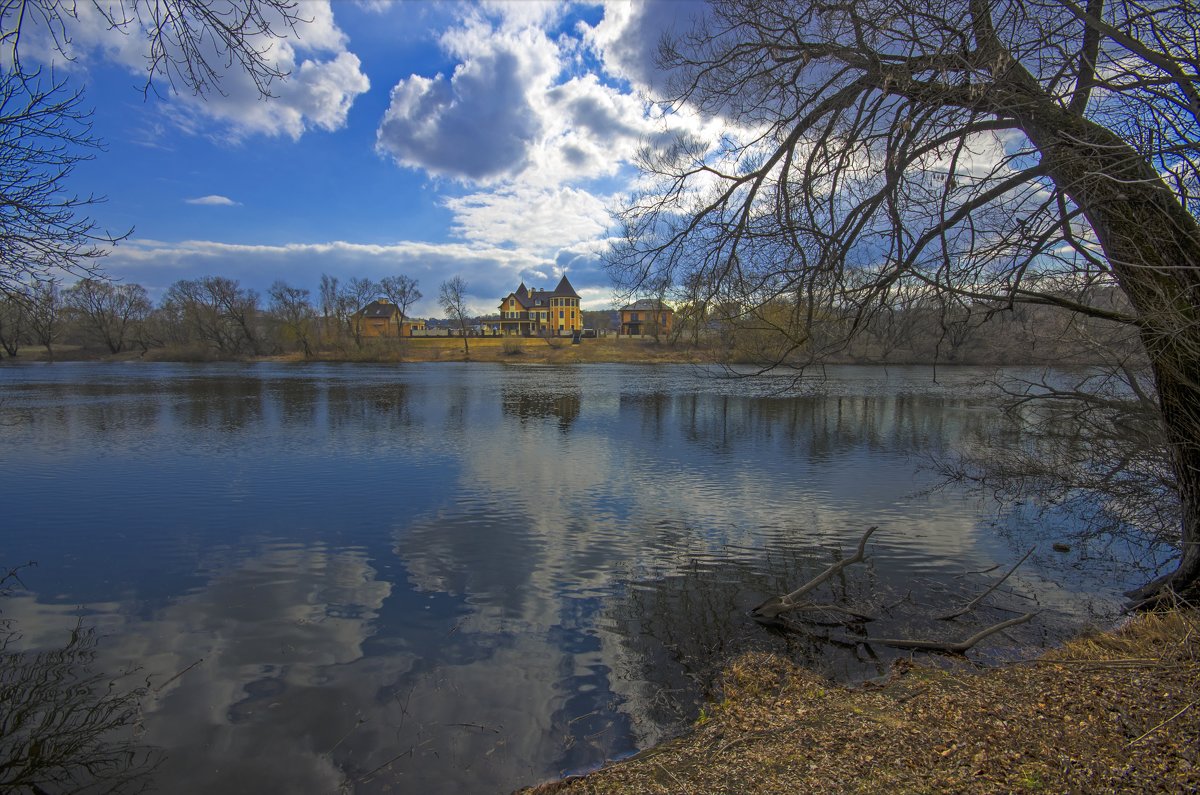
646, 317
382, 318
554, 312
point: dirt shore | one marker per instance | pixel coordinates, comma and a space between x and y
509, 350
1107, 713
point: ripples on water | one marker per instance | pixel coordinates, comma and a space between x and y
484, 575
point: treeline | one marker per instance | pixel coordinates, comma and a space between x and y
207, 318
922, 330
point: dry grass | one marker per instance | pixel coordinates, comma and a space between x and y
1110, 712
517, 350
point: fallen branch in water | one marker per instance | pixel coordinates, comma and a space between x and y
959, 648
971, 605
776, 605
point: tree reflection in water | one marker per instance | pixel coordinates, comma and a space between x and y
65, 727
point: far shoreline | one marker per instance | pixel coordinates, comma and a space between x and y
505, 350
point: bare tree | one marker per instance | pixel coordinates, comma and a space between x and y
187, 41
43, 313
453, 299
291, 307
215, 311
109, 310
12, 323
358, 293
402, 291
989, 152
45, 132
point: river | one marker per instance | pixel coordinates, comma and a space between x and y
452, 578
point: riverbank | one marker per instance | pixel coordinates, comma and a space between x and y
1110, 712
508, 350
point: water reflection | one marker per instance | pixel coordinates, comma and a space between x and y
458, 578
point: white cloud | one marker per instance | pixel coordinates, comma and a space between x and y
322, 77
479, 123
212, 201
628, 36
490, 271
543, 142
531, 218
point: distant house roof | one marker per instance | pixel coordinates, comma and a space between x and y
530, 298
646, 305
381, 308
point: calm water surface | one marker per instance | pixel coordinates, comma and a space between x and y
484, 575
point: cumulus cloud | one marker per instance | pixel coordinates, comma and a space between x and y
627, 38
478, 123
212, 200
322, 78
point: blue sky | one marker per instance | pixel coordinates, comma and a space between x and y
487, 140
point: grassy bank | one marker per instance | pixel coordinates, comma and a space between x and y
515, 350
511, 350
420, 349
1111, 712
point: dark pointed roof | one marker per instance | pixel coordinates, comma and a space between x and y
379, 308
564, 289
382, 308
537, 298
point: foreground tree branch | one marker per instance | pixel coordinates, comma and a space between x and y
975, 155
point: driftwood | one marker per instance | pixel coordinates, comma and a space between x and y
776, 611
776, 605
971, 605
962, 647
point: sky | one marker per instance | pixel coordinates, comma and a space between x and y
432, 139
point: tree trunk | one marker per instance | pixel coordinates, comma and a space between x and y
1152, 245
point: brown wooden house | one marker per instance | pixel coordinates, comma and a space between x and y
382, 318
647, 317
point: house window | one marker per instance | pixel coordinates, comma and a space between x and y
560, 316
633, 318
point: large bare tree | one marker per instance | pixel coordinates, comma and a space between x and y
45, 129
982, 152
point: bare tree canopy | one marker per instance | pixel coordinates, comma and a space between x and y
188, 42
980, 153
45, 130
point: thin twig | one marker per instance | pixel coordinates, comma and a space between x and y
975, 602
1164, 723
159, 689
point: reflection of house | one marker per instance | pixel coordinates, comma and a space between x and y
382, 318
552, 312
646, 317
527, 403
